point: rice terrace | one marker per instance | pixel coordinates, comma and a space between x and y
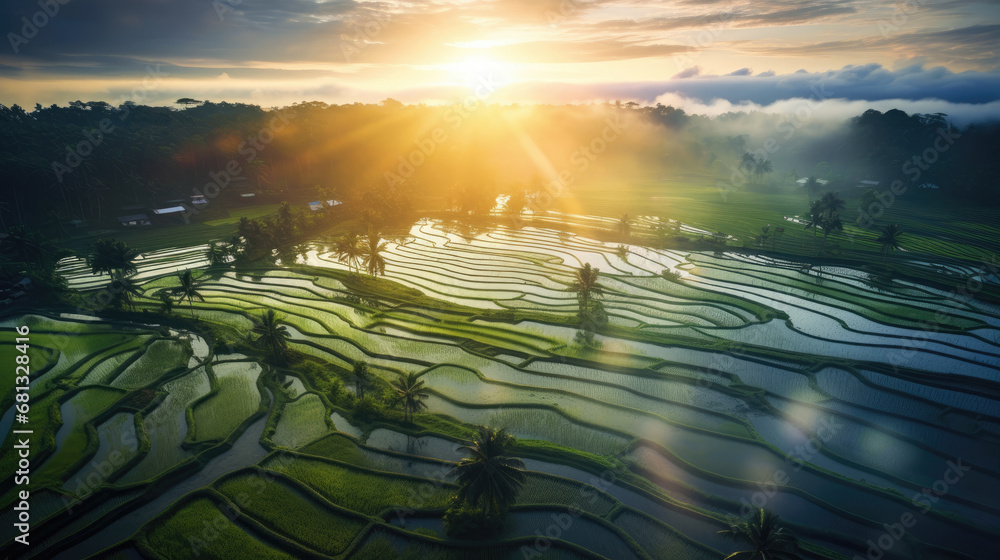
498, 318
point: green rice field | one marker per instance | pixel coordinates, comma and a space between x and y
738, 380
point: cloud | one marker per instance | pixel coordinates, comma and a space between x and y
741, 72
852, 88
871, 82
837, 110
687, 73
973, 45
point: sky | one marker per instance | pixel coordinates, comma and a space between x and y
707, 55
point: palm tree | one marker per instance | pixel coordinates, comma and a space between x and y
769, 540
125, 292
349, 250
625, 225
287, 222
166, 303
411, 392
663, 228
272, 334
21, 245
362, 378
889, 239
586, 287
112, 256
516, 203
217, 254
187, 289
764, 235
831, 204
830, 224
815, 217
761, 167
489, 478
373, 260
779, 232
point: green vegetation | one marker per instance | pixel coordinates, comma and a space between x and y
272, 335
696, 365
356, 489
199, 529
302, 421
292, 512
766, 537
234, 399
489, 480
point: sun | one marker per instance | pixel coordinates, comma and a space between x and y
473, 69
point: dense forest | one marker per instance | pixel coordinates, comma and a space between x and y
89, 162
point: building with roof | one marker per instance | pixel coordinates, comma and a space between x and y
134, 220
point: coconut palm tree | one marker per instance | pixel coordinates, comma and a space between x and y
125, 292
20, 245
187, 289
662, 229
349, 251
166, 302
373, 260
779, 232
272, 335
831, 204
362, 378
815, 216
761, 167
830, 224
586, 287
625, 225
764, 235
113, 257
217, 254
517, 202
889, 239
411, 392
489, 478
769, 540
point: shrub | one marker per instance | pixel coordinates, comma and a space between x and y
466, 522
672, 275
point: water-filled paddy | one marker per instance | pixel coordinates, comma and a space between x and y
713, 396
